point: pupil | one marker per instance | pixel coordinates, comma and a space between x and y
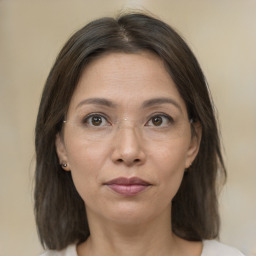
96, 120
157, 121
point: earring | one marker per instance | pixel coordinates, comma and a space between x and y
64, 165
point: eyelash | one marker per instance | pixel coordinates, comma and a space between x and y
103, 116
162, 115
86, 119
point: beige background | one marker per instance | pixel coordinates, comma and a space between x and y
222, 34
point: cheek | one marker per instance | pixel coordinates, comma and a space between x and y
86, 161
169, 161
85, 155
170, 155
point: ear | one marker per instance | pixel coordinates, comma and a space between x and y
194, 143
61, 152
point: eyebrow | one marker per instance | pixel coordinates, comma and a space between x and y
145, 104
159, 101
97, 101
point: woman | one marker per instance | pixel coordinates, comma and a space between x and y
128, 152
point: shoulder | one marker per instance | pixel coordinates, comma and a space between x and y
68, 251
215, 248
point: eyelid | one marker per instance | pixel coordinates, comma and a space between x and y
107, 117
85, 119
170, 118
160, 114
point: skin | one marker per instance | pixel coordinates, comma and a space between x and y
128, 144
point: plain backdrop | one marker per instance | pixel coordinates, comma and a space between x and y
222, 34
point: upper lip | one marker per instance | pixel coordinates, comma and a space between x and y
128, 181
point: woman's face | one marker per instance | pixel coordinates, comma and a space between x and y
127, 138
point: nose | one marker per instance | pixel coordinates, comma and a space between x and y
128, 147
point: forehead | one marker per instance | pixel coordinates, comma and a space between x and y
126, 78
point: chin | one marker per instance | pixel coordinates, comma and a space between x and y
132, 214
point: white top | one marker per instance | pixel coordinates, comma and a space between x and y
210, 248
215, 248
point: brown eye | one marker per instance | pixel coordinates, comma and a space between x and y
157, 120
161, 120
96, 120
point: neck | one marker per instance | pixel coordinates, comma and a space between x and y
110, 238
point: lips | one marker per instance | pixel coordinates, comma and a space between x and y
127, 186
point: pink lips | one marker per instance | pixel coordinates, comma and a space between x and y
127, 186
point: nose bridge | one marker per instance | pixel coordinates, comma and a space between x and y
128, 127
128, 142
126, 122
128, 134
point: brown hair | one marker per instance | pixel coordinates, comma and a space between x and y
60, 211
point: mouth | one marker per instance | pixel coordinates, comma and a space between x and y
127, 186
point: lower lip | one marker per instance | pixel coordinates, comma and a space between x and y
128, 190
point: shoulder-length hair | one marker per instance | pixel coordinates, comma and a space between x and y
59, 210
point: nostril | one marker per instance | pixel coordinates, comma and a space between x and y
120, 160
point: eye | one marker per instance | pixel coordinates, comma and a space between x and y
159, 121
96, 120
